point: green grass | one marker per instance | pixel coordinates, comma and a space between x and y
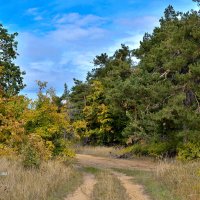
155, 189
91, 170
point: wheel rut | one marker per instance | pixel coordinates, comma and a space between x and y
135, 191
85, 190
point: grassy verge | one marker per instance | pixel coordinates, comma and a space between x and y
154, 188
182, 179
52, 181
66, 188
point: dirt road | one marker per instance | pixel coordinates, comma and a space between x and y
134, 191
103, 162
85, 190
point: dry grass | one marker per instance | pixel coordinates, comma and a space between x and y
42, 184
99, 151
108, 187
181, 179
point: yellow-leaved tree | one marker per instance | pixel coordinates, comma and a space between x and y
12, 132
97, 116
47, 124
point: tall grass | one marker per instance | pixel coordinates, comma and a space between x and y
182, 179
36, 184
99, 151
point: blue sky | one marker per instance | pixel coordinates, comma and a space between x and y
58, 39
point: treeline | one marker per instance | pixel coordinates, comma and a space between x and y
153, 105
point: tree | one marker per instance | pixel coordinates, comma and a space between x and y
165, 89
45, 123
65, 94
78, 99
96, 116
97, 99
11, 80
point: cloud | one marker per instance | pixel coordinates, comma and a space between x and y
74, 33
66, 51
35, 13
32, 11
138, 23
78, 20
62, 53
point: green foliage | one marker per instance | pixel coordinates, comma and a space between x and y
50, 122
41, 126
97, 100
155, 102
156, 150
11, 80
189, 151
31, 158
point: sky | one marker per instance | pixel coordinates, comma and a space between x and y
58, 39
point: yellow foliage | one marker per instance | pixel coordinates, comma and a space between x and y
96, 112
39, 124
43, 148
11, 121
6, 151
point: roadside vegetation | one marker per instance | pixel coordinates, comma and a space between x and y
170, 180
181, 179
53, 180
154, 188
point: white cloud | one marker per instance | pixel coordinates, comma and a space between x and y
78, 20
35, 13
62, 53
138, 23
68, 48
32, 11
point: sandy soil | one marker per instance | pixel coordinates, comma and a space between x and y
94, 161
135, 191
85, 190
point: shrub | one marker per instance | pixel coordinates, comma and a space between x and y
162, 149
189, 151
31, 158
156, 150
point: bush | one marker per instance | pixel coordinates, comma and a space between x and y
31, 158
156, 150
189, 151
137, 149
140, 150
162, 149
